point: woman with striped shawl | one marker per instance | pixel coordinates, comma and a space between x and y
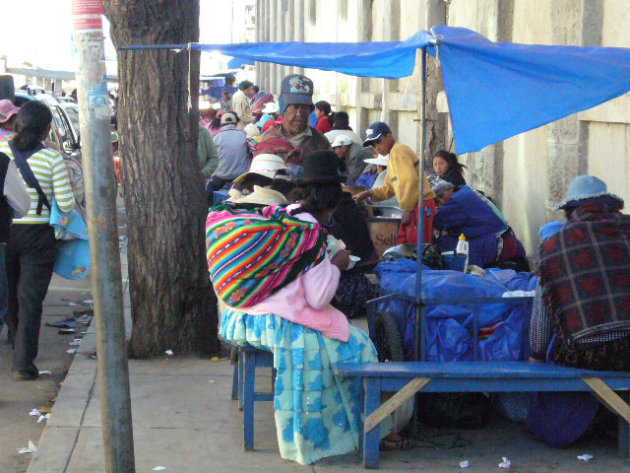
269, 265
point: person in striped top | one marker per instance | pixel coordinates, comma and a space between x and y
32, 250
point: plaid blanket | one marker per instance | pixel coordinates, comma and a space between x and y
254, 252
585, 274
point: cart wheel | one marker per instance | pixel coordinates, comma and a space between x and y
387, 338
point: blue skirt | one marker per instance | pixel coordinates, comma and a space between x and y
317, 414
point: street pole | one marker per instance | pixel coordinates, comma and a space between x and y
98, 166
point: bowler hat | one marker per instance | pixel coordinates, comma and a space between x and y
320, 167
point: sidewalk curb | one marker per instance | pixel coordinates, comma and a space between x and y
60, 436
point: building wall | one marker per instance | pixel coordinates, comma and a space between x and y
527, 174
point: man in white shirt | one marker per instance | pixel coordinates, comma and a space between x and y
14, 202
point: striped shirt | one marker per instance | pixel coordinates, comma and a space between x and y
50, 170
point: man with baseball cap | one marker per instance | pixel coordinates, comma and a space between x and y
294, 137
233, 153
402, 180
352, 157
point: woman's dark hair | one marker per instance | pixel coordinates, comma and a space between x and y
327, 109
451, 159
318, 198
284, 186
215, 124
246, 185
30, 125
256, 89
341, 121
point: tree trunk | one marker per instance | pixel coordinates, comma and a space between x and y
172, 301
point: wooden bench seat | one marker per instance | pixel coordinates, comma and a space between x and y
407, 378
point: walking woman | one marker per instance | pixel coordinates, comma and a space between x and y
31, 250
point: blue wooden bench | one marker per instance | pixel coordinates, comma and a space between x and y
244, 387
408, 378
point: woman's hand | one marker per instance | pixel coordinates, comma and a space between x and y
406, 217
341, 259
361, 196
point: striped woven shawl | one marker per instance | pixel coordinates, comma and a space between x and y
254, 252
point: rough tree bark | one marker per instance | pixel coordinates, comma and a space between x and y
173, 305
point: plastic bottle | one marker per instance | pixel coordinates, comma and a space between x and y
462, 249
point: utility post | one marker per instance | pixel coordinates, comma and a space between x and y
94, 114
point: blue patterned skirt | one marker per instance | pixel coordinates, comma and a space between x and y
317, 414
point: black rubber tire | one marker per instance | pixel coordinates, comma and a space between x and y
388, 339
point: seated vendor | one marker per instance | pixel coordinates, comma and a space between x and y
402, 181
585, 282
491, 241
291, 315
381, 163
260, 175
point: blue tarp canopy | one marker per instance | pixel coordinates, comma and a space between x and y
236, 63
494, 90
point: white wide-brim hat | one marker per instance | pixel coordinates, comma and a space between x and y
265, 165
270, 108
380, 161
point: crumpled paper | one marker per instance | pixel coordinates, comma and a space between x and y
169, 352
35, 412
75, 343
586, 457
505, 463
464, 464
72, 351
159, 468
30, 449
43, 419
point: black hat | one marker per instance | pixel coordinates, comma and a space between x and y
320, 167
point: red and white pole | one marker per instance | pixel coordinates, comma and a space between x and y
98, 167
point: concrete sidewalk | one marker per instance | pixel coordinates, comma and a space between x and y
184, 420
17, 398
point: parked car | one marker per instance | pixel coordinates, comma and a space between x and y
62, 133
66, 99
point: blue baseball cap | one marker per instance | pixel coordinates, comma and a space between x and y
375, 131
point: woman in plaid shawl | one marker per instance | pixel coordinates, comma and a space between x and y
585, 280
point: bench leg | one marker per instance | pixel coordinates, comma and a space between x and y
249, 362
623, 437
371, 448
241, 377
235, 380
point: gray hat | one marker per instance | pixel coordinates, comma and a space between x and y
440, 185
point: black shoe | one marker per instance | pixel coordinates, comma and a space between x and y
28, 375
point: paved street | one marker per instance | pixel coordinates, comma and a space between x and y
18, 398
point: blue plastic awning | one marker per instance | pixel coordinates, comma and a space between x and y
386, 59
494, 90
499, 90
237, 63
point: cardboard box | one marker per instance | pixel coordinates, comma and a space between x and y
384, 233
